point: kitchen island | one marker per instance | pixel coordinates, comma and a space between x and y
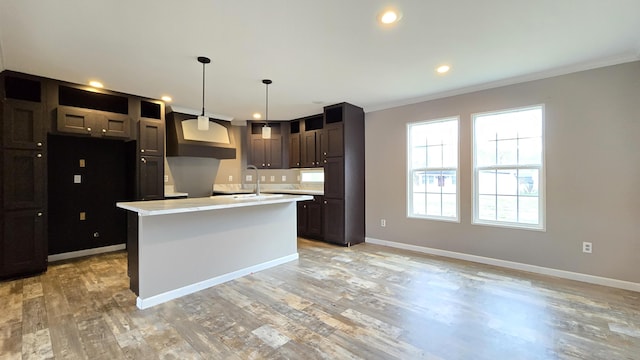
177, 247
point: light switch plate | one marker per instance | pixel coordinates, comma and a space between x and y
77, 179
249, 178
83, 215
263, 178
284, 178
230, 178
166, 178
82, 163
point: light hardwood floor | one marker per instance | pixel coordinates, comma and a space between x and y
364, 302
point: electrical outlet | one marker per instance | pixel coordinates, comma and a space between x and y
248, 178
263, 178
272, 178
230, 178
587, 247
383, 222
284, 178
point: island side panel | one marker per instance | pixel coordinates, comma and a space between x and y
132, 251
182, 249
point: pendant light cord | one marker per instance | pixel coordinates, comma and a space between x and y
267, 107
203, 88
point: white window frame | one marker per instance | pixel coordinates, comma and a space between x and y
541, 226
410, 170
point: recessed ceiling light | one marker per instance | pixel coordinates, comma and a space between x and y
257, 116
166, 98
96, 84
443, 69
389, 17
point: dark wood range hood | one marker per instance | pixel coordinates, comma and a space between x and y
183, 138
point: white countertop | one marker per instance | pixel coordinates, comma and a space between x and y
163, 207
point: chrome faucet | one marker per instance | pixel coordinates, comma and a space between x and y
257, 178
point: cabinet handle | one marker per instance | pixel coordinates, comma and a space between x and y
141, 150
104, 131
39, 213
39, 155
144, 161
88, 129
262, 165
325, 202
39, 144
325, 161
325, 154
304, 206
297, 164
268, 165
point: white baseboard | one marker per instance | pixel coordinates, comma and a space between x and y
190, 289
87, 252
592, 279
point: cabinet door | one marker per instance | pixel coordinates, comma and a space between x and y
112, 125
24, 172
74, 120
294, 150
151, 137
302, 216
23, 243
257, 152
274, 152
334, 178
332, 142
23, 124
334, 221
151, 176
309, 149
315, 216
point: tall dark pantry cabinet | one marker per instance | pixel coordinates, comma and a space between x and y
23, 216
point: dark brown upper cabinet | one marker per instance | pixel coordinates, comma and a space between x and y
23, 127
332, 141
80, 121
295, 151
151, 137
311, 137
267, 153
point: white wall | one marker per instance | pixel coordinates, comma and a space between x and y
592, 174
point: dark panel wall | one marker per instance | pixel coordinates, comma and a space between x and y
104, 181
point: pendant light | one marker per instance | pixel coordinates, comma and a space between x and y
266, 130
203, 121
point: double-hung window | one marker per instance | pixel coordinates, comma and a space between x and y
508, 176
433, 169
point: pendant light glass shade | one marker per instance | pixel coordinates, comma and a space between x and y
203, 121
266, 129
266, 132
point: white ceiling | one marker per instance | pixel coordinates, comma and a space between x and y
317, 52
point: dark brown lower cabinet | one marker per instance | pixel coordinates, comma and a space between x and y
151, 178
24, 174
334, 221
310, 218
24, 249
